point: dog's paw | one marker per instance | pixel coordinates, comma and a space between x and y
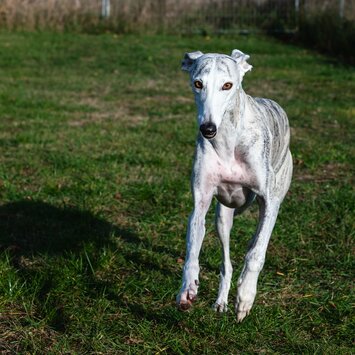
242, 309
187, 296
245, 296
244, 302
220, 307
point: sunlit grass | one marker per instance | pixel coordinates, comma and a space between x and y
97, 136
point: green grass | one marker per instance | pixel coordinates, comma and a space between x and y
97, 136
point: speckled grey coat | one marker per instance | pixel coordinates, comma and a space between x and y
242, 153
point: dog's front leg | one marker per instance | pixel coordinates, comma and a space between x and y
203, 194
254, 260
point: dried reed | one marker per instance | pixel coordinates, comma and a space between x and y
136, 15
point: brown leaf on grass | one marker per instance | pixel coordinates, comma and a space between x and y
117, 196
132, 340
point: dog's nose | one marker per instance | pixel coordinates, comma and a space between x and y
208, 130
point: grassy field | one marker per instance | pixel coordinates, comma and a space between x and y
97, 136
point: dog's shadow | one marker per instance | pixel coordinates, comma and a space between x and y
29, 228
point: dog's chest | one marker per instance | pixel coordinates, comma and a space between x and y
231, 181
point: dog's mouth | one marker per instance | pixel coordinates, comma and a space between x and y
209, 135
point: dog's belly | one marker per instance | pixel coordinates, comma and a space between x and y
234, 195
231, 181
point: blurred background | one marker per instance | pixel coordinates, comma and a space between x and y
325, 25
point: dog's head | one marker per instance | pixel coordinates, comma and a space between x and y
215, 81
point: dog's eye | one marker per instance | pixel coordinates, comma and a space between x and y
227, 86
198, 84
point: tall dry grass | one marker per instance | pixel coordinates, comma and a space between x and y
61, 14
41, 14
126, 15
138, 15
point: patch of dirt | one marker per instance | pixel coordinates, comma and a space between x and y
270, 89
324, 173
121, 114
16, 333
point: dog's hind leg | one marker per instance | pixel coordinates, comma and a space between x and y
224, 223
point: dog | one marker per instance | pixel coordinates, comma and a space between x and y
242, 154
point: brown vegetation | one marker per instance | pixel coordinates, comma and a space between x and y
137, 15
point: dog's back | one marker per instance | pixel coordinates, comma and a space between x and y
273, 119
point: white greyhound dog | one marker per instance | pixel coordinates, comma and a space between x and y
242, 152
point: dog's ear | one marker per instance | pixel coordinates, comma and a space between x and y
241, 60
189, 59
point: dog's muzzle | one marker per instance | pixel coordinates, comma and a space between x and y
208, 130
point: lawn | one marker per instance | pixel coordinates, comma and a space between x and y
97, 136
